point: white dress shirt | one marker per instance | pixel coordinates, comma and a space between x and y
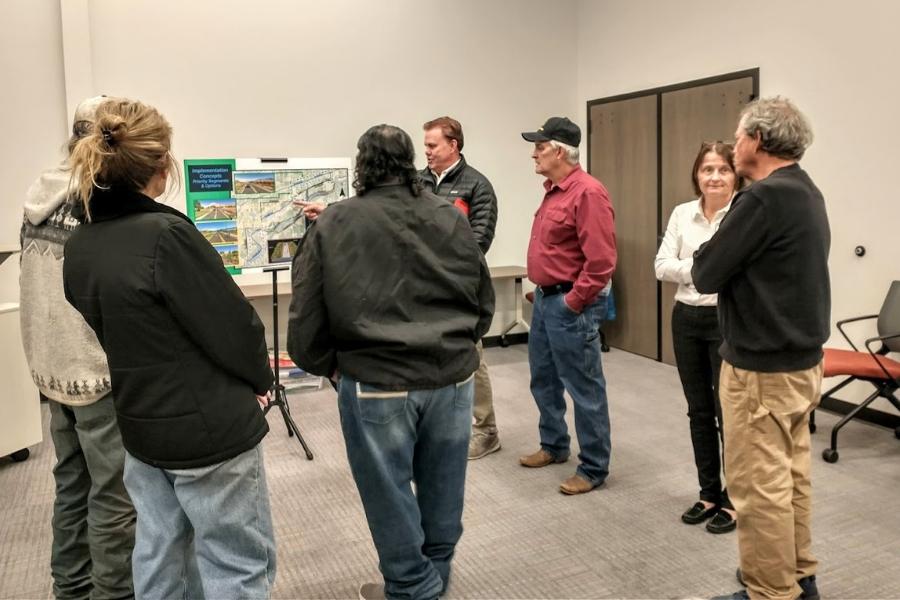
688, 229
439, 178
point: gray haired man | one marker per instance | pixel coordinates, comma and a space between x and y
769, 264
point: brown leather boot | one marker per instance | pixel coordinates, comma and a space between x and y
576, 484
541, 458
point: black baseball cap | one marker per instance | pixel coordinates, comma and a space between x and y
560, 129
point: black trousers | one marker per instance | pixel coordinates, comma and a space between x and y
696, 337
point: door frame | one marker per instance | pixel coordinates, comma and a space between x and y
753, 74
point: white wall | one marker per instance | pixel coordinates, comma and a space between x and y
837, 62
306, 78
32, 113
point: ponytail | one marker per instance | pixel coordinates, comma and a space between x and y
128, 145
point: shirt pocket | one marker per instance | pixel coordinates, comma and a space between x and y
554, 228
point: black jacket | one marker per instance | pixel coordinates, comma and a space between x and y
391, 290
471, 192
186, 351
769, 264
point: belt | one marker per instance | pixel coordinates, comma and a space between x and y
559, 288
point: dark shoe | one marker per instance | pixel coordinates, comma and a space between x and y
541, 458
576, 484
371, 591
809, 587
741, 595
723, 522
807, 584
481, 444
698, 513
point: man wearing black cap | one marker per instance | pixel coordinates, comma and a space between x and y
571, 258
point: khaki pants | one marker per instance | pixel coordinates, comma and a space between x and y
767, 469
483, 408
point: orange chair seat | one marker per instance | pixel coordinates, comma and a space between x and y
860, 364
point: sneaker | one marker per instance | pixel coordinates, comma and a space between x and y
481, 444
371, 591
810, 591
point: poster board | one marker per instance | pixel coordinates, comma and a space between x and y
247, 207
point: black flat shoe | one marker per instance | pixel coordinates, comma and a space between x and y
721, 523
698, 513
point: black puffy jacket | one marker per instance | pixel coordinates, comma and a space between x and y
471, 192
186, 351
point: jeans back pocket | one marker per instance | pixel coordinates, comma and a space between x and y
380, 406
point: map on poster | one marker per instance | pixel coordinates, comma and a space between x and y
249, 209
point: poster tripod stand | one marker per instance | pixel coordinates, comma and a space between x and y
279, 397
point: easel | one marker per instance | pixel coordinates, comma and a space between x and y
279, 397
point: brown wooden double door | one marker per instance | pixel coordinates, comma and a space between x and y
642, 147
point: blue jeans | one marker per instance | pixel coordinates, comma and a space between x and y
564, 355
204, 532
396, 439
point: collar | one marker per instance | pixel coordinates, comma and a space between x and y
455, 167
567, 181
698, 212
107, 205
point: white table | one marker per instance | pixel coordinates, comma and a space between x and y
518, 273
20, 409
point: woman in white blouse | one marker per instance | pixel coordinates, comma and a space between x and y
695, 326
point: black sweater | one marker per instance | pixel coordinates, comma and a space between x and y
769, 264
186, 350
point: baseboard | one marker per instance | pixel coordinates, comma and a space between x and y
841, 407
508, 340
870, 415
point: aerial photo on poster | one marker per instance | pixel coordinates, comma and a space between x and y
267, 207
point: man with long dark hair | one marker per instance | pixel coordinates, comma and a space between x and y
391, 293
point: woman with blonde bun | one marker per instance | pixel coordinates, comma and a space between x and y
188, 365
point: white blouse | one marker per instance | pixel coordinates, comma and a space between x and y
688, 229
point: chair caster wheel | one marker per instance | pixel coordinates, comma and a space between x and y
504, 343
20, 455
830, 456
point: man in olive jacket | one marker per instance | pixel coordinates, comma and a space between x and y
391, 293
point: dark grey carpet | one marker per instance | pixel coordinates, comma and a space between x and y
524, 539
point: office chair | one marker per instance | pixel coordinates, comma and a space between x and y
870, 365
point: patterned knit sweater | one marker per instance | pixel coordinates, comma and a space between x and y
66, 360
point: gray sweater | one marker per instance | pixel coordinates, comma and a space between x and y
66, 360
